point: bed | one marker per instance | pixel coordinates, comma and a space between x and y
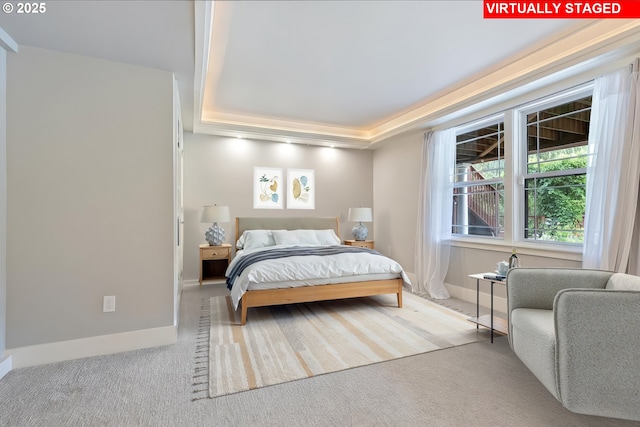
300, 273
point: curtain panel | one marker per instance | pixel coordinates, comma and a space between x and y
612, 217
435, 209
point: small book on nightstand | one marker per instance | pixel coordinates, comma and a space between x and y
495, 277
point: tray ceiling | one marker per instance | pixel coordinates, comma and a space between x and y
320, 72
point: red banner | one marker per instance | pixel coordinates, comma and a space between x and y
561, 9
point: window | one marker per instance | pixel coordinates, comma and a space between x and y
555, 173
478, 200
533, 170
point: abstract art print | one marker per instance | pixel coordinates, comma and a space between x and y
301, 189
267, 188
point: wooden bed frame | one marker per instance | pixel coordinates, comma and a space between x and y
265, 297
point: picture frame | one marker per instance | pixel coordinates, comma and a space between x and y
268, 188
301, 189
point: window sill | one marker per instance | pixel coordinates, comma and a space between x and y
546, 250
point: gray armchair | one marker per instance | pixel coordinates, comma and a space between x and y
578, 331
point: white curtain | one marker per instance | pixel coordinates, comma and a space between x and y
435, 210
612, 228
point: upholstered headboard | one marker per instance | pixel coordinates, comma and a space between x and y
280, 223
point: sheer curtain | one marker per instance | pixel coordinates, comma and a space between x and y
612, 228
435, 210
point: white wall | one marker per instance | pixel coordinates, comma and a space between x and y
220, 170
90, 197
396, 171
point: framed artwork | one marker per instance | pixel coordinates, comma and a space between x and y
301, 189
268, 184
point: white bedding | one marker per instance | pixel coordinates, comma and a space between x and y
312, 270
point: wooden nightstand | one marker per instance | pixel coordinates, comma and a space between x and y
360, 243
214, 261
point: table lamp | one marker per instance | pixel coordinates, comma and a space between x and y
214, 214
360, 215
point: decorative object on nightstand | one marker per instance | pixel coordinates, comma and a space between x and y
360, 215
214, 214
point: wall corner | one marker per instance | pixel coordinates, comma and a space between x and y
5, 365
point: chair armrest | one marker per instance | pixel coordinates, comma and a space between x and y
537, 287
597, 351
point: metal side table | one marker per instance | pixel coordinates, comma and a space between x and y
488, 321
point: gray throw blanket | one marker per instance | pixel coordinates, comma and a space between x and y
275, 253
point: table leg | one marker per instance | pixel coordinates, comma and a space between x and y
492, 312
477, 302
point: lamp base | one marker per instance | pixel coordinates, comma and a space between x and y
214, 235
360, 232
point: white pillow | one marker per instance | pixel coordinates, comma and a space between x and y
243, 237
240, 242
295, 237
327, 237
256, 239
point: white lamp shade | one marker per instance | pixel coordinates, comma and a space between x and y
360, 215
215, 213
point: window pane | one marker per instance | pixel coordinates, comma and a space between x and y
555, 208
483, 150
479, 210
555, 180
561, 159
556, 134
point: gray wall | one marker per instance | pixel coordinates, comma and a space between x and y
90, 197
220, 170
396, 171
465, 261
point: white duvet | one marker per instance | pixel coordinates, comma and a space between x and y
312, 270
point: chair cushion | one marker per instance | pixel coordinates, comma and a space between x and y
623, 282
533, 340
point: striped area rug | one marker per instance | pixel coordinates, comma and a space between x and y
290, 342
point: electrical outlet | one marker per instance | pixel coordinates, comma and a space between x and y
109, 304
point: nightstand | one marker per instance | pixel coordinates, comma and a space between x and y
214, 261
360, 243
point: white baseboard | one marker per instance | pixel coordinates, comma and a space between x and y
5, 365
204, 282
194, 282
469, 295
93, 346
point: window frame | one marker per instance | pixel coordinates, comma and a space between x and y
515, 168
521, 165
471, 126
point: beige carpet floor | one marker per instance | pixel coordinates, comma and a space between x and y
478, 384
290, 342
